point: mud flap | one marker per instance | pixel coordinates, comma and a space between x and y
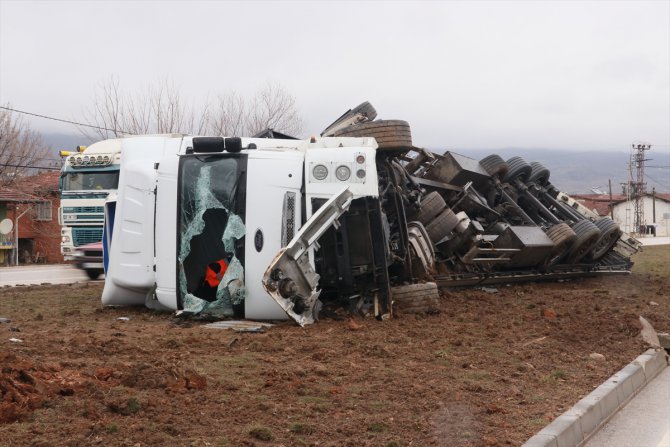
290, 279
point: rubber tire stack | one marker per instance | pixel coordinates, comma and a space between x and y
518, 168
415, 298
587, 236
390, 134
495, 165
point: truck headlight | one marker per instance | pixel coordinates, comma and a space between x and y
342, 173
69, 217
320, 172
65, 239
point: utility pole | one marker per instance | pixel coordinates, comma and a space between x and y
611, 204
637, 162
653, 203
16, 229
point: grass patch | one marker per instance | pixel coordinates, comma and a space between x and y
379, 404
377, 427
133, 405
314, 400
261, 433
301, 429
653, 260
559, 374
538, 422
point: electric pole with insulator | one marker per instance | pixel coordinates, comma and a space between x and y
639, 186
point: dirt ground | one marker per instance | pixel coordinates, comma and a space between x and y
488, 369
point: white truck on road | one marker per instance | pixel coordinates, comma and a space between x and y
87, 178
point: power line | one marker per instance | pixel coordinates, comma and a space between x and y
665, 185
64, 121
29, 166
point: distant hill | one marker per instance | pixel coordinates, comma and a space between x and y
65, 142
62, 142
575, 172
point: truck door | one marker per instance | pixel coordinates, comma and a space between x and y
273, 218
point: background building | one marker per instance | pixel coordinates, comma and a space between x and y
656, 211
34, 201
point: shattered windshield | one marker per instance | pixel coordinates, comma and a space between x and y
211, 206
86, 180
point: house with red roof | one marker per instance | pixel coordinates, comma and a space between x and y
29, 227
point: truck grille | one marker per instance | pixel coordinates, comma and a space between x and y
288, 219
83, 209
83, 236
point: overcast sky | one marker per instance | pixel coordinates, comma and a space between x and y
564, 74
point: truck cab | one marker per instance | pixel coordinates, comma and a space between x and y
240, 200
87, 178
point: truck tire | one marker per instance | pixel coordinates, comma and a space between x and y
442, 225
609, 235
538, 174
587, 236
415, 298
563, 237
518, 169
431, 206
390, 134
495, 165
93, 273
366, 109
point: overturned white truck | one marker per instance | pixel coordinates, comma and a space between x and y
357, 218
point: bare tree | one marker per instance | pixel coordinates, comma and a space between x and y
106, 112
162, 109
274, 107
21, 148
271, 107
230, 116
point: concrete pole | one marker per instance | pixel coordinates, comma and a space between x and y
611, 206
16, 234
653, 203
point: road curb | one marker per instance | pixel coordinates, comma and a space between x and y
576, 425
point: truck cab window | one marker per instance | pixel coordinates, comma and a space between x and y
211, 233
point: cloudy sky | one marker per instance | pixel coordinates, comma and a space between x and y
481, 74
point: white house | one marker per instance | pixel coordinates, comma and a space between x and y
656, 211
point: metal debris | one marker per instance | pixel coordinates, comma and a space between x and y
239, 326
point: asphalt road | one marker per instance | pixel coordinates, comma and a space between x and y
643, 422
41, 274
